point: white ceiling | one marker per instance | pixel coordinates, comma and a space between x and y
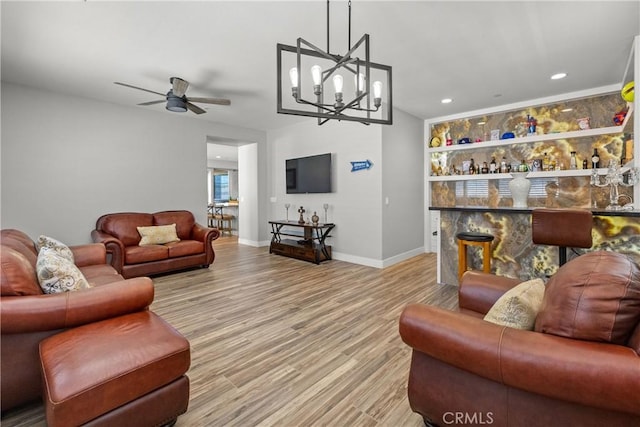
479, 53
222, 152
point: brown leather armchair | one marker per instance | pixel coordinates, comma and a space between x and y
467, 371
27, 316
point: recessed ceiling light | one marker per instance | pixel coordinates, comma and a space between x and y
558, 76
218, 157
447, 101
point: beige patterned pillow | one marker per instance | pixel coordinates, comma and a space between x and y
158, 234
51, 243
57, 274
519, 306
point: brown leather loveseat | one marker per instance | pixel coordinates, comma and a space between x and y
579, 366
119, 233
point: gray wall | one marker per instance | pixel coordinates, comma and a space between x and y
367, 230
355, 200
250, 220
68, 160
403, 187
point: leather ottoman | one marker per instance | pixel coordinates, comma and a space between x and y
128, 370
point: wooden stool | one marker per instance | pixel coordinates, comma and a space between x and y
469, 238
223, 222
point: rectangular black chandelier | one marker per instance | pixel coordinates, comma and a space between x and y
359, 85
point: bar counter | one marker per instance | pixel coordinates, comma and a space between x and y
513, 252
600, 212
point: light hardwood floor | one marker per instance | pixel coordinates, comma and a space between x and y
282, 342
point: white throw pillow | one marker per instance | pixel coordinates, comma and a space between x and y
158, 234
519, 306
51, 243
57, 274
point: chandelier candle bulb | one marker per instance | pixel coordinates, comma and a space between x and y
316, 76
377, 93
337, 84
293, 75
359, 83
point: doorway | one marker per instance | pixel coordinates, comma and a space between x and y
228, 166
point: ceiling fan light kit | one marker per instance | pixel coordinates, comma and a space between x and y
176, 99
175, 103
356, 97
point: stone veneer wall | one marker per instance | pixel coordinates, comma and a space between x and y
513, 252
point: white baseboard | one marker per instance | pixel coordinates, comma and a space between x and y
255, 244
354, 259
370, 262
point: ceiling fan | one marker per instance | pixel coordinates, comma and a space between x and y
176, 99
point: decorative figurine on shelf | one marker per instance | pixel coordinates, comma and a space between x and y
546, 162
618, 119
503, 165
531, 125
627, 92
448, 139
301, 211
616, 177
584, 123
315, 218
523, 167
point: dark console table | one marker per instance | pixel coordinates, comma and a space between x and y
309, 243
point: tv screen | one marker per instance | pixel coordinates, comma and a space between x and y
309, 174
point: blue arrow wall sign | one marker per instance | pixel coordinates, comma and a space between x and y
358, 166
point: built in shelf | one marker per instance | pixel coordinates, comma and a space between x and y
537, 174
626, 126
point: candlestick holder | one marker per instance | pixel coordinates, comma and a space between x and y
287, 206
614, 178
325, 206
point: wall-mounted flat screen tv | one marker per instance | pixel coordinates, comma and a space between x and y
310, 174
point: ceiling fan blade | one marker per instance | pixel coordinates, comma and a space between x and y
179, 86
139, 88
195, 108
153, 102
219, 101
